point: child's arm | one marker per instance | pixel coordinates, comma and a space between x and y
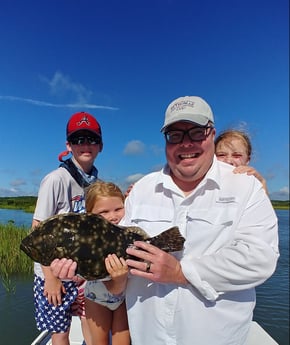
64, 269
53, 287
118, 270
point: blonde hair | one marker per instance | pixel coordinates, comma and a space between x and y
101, 189
230, 134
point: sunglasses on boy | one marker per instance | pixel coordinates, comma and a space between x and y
81, 140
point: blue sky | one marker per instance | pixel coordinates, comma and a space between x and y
124, 62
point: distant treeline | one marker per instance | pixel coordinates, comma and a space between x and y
281, 205
27, 203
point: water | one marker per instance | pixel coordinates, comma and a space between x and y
18, 217
272, 308
17, 325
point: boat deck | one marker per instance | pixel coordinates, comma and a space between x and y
257, 336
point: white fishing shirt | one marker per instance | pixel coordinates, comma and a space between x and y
231, 247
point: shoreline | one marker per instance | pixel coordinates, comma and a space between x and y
28, 203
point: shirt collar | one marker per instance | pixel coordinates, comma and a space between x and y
211, 179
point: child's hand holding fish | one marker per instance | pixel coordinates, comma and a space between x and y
64, 268
118, 270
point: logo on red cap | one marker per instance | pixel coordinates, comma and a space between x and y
83, 121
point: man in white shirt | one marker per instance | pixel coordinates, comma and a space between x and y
204, 295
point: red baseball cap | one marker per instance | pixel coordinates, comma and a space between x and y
83, 121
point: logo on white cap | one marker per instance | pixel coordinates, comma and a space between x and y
189, 108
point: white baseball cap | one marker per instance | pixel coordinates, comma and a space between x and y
188, 108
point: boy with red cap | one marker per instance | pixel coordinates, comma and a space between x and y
62, 191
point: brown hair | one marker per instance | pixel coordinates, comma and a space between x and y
101, 189
228, 135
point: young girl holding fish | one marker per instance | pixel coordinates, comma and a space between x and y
105, 300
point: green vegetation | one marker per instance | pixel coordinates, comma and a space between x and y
13, 262
25, 203
281, 205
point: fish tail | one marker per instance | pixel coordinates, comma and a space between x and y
169, 240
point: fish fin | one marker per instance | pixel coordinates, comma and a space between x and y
136, 230
169, 240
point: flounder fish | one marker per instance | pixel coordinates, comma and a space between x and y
88, 239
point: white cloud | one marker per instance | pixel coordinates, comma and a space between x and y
284, 190
133, 178
134, 147
57, 105
17, 183
6, 192
62, 86
60, 82
281, 194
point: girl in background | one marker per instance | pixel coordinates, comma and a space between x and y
234, 147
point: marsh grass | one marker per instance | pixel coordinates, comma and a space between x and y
13, 262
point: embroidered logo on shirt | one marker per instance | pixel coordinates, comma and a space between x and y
226, 199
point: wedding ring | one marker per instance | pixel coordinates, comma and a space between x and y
148, 266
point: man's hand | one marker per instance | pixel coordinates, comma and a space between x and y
155, 264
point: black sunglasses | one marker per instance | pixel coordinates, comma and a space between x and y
85, 140
176, 136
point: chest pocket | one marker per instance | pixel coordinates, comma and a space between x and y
215, 216
152, 219
209, 230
